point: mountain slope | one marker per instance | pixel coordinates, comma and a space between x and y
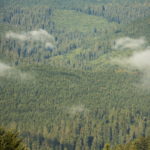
69, 74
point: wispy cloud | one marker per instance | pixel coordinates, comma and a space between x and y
127, 42
49, 45
140, 59
13, 73
4, 69
33, 36
75, 109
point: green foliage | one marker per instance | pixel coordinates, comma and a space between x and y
106, 147
59, 106
138, 144
71, 96
9, 140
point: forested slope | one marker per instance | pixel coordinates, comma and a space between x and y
69, 79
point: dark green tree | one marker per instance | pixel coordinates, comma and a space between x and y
10, 140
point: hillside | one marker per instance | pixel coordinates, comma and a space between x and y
75, 75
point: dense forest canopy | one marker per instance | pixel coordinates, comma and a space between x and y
74, 74
10, 140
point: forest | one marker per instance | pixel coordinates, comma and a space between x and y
75, 74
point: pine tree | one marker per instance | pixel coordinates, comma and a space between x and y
10, 140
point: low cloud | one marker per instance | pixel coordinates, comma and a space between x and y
49, 45
129, 43
13, 73
4, 69
140, 59
12, 35
32, 36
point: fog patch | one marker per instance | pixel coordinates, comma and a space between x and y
4, 69
140, 58
33, 36
49, 45
13, 73
141, 61
129, 43
77, 109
